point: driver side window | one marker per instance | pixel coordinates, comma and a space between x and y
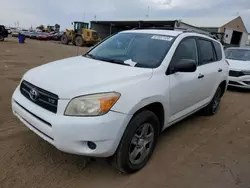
187, 49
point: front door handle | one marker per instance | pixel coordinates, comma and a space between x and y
220, 70
200, 76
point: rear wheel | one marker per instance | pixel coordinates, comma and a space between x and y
1, 38
138, 142
79, 41
213, 106
65, 39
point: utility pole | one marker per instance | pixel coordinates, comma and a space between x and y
147, 15
83, 17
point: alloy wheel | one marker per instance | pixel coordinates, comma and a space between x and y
216, 101
141, 144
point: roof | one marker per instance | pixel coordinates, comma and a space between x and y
240, 18
155, 31
134, 23
208, 21
214, 22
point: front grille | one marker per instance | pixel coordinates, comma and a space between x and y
247, 82
41, 97
236, 73
234, 83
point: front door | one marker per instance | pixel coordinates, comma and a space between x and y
184, 87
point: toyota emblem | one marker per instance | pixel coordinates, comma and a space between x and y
33, 94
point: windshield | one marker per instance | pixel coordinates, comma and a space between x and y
238, 54
134, 49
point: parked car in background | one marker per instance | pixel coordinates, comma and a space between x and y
57, 36
43, 36
25, 32
33, 35
239, 61
3, 33
116, 99
15, 34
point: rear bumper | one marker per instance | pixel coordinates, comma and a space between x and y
71, 134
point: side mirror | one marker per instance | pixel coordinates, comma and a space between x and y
184, 65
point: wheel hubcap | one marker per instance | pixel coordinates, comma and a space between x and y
141, 143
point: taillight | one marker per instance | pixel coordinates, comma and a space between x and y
227, 62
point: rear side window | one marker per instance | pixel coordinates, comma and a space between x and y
207, 54
218, 50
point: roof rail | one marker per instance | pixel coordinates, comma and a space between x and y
207, 34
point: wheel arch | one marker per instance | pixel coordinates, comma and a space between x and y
223, 86
157, 108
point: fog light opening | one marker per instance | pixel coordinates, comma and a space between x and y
91, 145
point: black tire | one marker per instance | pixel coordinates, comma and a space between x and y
65, 39
213, 107
79, 41
122, 158
1, 38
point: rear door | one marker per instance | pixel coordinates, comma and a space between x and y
209, 66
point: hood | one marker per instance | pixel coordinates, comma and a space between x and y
239, 65
77, 76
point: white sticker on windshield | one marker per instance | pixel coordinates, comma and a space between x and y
158, 37
130, 62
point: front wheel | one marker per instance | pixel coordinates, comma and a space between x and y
79, 41
65, 39
138, 142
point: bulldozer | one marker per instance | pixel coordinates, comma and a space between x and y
81, 35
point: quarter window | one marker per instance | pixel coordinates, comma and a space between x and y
207, 54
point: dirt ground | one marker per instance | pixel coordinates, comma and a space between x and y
205, 152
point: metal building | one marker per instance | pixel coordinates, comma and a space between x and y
106, 28
235, 32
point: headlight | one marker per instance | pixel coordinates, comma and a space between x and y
91, 105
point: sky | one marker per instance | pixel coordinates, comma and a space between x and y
49, 12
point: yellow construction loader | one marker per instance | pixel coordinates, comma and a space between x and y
81, 35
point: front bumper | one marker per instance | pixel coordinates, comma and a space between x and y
242, 82
71, 134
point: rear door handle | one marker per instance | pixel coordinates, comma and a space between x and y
200, 76
220, 70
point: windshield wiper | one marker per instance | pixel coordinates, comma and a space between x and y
116, 61
90, 55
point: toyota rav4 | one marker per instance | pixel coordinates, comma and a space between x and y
115, 100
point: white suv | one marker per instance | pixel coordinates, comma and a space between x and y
117, 98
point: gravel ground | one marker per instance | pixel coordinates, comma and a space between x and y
207, 152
